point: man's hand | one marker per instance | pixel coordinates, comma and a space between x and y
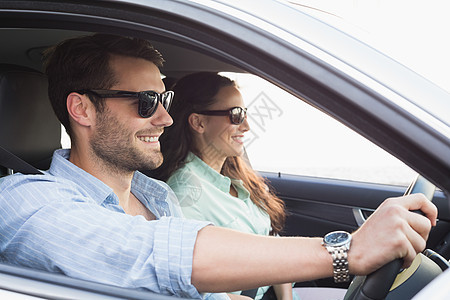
391, 232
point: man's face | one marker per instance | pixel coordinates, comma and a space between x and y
122, 139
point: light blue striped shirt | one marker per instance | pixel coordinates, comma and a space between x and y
70, 222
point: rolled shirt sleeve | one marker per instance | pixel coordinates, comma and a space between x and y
173, 253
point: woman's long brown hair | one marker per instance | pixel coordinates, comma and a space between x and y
197, 92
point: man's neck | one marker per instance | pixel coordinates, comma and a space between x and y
118, 180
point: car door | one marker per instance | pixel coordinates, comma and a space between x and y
302, 63
316, 206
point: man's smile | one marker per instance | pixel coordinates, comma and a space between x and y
149, 138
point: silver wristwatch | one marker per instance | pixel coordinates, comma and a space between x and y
338, 244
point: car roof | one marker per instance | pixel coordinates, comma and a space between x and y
26, 45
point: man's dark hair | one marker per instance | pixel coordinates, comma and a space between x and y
83, 63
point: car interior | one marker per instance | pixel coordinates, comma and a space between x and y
27, 111
315, 205
23, 90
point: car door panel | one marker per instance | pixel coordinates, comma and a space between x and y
316, 206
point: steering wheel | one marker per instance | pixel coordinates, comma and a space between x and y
376, 285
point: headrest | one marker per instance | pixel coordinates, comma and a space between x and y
28, 125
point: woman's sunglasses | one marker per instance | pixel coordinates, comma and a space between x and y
237, 114
148, 100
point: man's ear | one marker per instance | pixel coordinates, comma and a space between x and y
80, 109
196, 122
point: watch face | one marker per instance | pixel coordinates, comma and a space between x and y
337, 238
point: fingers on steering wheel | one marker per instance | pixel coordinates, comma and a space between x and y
407, 242
409, 257
416, 239
409, 231
416, 202
420, 224
420, 202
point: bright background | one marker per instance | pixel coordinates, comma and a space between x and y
414, 32
301, 140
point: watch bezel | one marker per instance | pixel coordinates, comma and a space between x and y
327, 239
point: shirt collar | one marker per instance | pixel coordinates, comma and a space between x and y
144, 188
143, 184
203, 170
154, 194
62, 167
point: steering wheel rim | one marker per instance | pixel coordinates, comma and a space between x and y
376, 285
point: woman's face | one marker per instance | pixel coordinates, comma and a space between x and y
221, 138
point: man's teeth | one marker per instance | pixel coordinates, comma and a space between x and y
149, 139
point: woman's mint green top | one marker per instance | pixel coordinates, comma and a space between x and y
204, 194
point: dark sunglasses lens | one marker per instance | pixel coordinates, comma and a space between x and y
148, 102
238, 115
166, 100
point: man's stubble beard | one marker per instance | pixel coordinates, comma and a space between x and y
111, 144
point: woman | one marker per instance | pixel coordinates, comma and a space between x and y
202, 162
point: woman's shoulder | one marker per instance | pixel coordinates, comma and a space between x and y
184, 176
188, 188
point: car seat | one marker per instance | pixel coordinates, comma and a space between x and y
28, 125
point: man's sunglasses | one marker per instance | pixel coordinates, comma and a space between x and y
148, 100
237, 114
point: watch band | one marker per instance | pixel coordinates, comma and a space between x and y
340, 263
337, 244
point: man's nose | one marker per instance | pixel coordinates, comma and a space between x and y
161, 117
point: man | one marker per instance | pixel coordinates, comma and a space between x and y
92, 215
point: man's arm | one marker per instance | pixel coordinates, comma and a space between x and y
225, 259
228, 260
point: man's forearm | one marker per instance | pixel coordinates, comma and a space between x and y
227, 260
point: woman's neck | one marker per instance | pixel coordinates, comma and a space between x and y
214, 160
